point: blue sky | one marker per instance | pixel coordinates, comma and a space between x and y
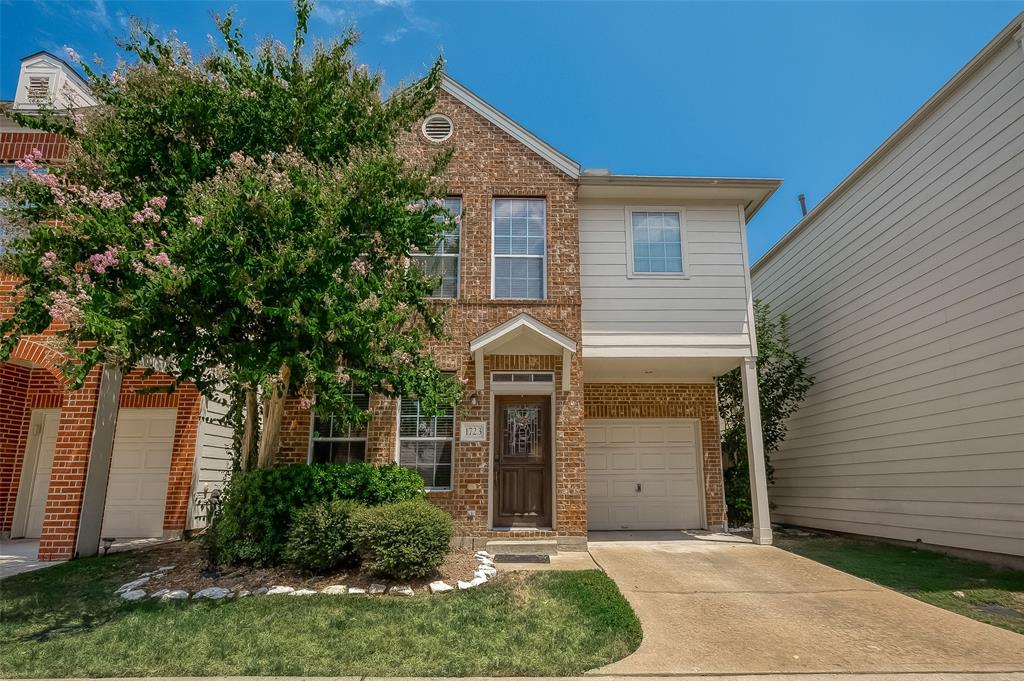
803, 90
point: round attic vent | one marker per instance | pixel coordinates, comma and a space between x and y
437, 127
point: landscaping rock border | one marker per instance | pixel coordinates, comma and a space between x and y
133, 591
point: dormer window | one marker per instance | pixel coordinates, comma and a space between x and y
38, 89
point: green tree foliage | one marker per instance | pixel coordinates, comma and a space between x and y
782, 382
245, 218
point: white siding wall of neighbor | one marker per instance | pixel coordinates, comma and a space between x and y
213, 460
710, 301
906, 290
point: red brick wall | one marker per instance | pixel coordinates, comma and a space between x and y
14, 386
490, 164
669, 401
17, 145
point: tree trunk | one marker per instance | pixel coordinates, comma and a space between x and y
248, 446
273, 414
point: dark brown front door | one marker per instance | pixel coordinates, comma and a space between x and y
522, 461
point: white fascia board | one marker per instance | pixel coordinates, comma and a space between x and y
480, 343
516, 131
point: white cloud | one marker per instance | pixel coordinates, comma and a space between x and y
331, 14
94, 14
395, 35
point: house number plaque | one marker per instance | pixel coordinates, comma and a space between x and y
473, 431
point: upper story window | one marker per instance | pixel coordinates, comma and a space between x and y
443, 262
656, 242
520, 248
332, 441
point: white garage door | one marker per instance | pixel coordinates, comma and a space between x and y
643, 474
139, 470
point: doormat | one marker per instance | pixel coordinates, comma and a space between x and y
521, 558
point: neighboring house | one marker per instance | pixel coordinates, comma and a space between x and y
50, 465
905, 288
589, 314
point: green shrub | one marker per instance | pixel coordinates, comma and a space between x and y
318, 539
252, 523
402, 541
737, 494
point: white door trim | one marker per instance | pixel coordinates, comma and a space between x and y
29, 463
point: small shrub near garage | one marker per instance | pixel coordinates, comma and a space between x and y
319, 539
252, 523
402, 541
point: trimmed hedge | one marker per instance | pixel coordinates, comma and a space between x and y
319, 540
252, 524
402, 541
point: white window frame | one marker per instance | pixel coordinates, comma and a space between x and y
543, 258
364, 439
683, 245
457, 256
398, 446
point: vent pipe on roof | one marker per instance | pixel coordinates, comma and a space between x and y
803, 204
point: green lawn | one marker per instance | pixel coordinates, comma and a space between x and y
64, 621
991, 594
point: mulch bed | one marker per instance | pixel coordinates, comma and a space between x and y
193, 572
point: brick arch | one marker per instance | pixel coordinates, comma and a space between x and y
40, 355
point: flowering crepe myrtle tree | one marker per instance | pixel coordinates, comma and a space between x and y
246, 219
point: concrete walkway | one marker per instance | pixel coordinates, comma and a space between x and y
721, 605
19, 555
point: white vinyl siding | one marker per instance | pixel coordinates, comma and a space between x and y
907, 294
520, 248
710, 301
213, 458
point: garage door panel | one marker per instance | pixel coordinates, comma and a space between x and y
661, 456
139, 470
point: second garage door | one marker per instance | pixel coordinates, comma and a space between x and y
643, 474
139, 469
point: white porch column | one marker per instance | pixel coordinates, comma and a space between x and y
755, 452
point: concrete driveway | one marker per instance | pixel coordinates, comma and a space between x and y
721, 605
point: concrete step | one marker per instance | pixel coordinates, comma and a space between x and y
523, 547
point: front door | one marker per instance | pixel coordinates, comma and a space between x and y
522, 461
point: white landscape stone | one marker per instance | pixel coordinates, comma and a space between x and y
160, 594
378, 588
166, 568
214, 593
400, 591
177, 595
133, 594
335, 590
440, 587
465, 585
276, 590
356, 590
260, 591
133, 585
478, 580
488, 570
482, 576
303, 592
243, 593
960, 594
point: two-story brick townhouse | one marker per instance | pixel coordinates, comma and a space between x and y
589, 314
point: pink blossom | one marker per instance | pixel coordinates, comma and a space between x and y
159, 202
117, 78
161, 259
437, 202
48, 260
307, 402
458, 219
148, 244
360, 266
463, 380
342, 376
101, 261
147, 214
65, 307
72, 55
196, 220
138, 267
